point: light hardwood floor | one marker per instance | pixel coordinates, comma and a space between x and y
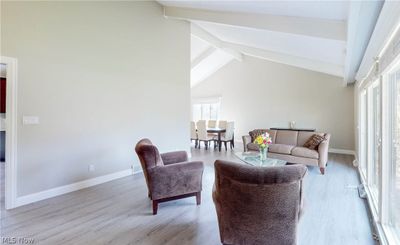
119, 212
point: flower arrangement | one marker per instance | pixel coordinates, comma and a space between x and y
263, 141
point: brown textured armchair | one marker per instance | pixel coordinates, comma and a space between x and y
258, 205
169, 176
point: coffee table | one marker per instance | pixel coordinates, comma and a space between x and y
253, 158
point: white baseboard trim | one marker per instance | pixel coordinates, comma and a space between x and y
138, 172
38, 196
342, 151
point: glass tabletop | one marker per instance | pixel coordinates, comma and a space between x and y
253, 158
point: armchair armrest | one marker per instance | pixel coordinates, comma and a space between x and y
323, 151
176, 179
301, 205
246, 140
174, 157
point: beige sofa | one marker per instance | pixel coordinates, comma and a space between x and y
288, 145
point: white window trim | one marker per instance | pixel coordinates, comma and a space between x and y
380, 212
206, 100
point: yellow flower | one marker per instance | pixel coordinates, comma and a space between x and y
259, 140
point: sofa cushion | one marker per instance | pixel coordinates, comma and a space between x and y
314, 141
305, 152
281, 149
286, 137
252, 147
255, 133
294, 159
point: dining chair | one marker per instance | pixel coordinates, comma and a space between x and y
202, 134
222, 124
212, 123
228, 136
193, 133
201, 121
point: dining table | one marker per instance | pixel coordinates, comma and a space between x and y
217, 131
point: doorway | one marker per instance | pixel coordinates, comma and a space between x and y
8, 132
3, 92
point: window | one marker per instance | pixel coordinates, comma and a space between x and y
374, 129
363, 132
206, 109
379, 145
379, 126
394, 152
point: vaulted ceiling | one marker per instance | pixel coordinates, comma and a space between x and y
323, 36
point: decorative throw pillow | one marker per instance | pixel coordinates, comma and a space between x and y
256, 132
314, 141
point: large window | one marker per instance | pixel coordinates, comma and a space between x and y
394, 151
379, 149
374, 129
206, 109
363, 132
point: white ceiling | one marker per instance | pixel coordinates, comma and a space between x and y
197, 47
332, 10
314, 35
205, 59
331, 51
210, 64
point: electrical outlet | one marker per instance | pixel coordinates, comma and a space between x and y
91, 168
30, 120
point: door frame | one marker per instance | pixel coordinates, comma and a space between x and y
10, 185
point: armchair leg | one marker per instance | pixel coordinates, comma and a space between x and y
226, 148
155, 207
322, 170
198, 198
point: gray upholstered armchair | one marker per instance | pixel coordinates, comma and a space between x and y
169, 176
258, 205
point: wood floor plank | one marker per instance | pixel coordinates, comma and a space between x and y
119, 212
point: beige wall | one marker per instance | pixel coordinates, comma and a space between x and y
261, 94
100, 76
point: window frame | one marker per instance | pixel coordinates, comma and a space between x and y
381, 207
206, 101
375, 193
388, 107
363, 133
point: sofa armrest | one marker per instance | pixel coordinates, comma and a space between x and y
323, 151
174, 157
176, 179
246, 140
